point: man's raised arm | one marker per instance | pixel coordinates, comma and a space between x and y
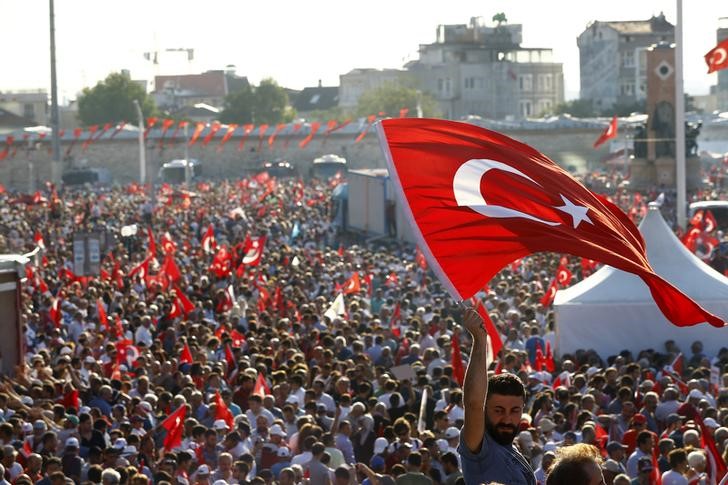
475, 386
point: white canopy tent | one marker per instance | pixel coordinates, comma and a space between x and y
611, 310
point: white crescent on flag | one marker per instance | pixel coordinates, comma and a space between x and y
719, 56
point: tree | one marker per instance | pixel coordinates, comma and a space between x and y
500, 17
112, 100
578, 108
392, 97
266, 103
238, 106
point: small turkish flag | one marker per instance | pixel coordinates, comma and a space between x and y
609, 133
254, 251
352, 285
548, 297
185, 356
717, 58
208, 240
479, 200
38, 238
261, 386
174, 424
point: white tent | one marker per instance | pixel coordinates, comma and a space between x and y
611, 310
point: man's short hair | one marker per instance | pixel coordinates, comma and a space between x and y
414, 459
571, 465
506, 385
675, 457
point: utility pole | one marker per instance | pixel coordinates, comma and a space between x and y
142, 148
56, 164
680, 122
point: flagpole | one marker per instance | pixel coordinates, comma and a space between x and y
680, 121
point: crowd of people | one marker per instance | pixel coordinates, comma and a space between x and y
233, 335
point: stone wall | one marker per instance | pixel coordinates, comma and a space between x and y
121, 156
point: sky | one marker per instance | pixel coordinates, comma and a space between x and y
298, 43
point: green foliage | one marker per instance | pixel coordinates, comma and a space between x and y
112, 100
626, 109
266, 103
392, 97
500, 17
578, 108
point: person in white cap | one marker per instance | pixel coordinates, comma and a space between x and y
71, 462
202, 475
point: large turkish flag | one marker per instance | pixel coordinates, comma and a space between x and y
479, 200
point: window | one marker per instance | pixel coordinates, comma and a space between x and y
525, 107
544, 106
448, 83
440, 85
469, 83
28, 111
628, 59
545, 82
627, 89
525, 82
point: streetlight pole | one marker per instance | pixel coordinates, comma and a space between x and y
142, 150
56, 167
680, 122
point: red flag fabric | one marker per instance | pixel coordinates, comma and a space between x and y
314, 128
214, 128
709, 222
261, 387
352, 285
208, 240
440, 169
254, 251
151, 121
185, 357
420, 258
548, 297
187, 305
70, 399
363, 133
609, 133
38, 238
103, 319
549, 359
229, 358
272, 138
222, 411
262, 129
175, 425
247, 129
152, 244
496, 344
458, 370
563, 276
228, 134
196, 134
168, 245
717, 57
54, 313
677, 364
170, 269
710, 446
394, 321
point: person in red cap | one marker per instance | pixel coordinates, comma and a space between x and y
637, 424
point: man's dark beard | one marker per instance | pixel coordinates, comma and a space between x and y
502, 434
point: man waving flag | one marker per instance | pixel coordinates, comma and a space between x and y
479, 200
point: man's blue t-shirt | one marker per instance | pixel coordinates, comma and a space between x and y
494, 463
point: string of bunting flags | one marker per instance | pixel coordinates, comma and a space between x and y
157, 129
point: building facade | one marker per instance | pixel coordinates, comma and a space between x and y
612, 59
174, 92
31, 105
358, 81
479, 70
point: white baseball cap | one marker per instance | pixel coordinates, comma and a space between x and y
72, 442
452, 432
380, 444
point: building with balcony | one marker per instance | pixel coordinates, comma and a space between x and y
479, 70
31, 105
613, 62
